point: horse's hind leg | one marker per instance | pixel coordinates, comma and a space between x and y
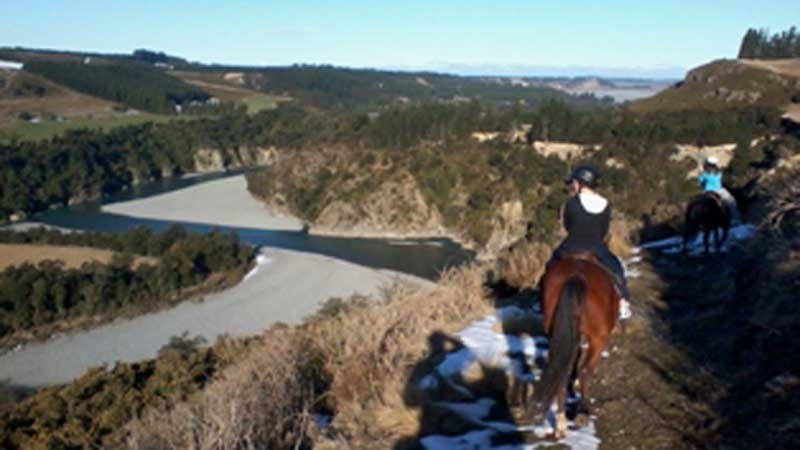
587, 370
717, 243
725, 230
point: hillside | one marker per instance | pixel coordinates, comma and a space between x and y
422, 172
319, 86
138, 85
727, 84
365, 90
25, 96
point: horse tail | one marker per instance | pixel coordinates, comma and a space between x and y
564, 343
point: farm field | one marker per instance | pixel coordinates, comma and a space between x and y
73, 257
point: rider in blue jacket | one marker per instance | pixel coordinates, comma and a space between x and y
711, 181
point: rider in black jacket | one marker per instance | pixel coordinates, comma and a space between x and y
586, 217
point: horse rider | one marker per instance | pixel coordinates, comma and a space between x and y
586, 216
711, 181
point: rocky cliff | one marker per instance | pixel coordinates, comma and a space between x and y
391, 195
215, 160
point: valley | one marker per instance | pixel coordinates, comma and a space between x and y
201, 255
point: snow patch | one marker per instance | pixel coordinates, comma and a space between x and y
674, 244
578, 439
518, 356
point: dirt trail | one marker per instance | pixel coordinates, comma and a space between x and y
651, 392
789, 66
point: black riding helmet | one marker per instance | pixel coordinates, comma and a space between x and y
585, 175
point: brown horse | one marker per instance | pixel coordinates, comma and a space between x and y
706, 212
579, 300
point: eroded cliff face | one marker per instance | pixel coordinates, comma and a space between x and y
508, 226
395, 208
357, 194
216, 160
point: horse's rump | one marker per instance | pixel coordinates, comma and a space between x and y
578, 300
602, 296
708, 204
709, 213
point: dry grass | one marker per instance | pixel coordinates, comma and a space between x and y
523, 264
622, 229
788, 66
262, 402
72, 257
356, 363
793, 112
215, 84
371, 350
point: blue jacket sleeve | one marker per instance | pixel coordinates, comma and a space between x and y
703, 179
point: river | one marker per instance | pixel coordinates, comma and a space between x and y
295, 273
423, 258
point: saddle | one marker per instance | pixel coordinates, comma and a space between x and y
584, 255
717, 199
588, 256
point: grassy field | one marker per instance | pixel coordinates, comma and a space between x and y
790, 66
260, 102
21, 92
230, 91
73, 257
25, 131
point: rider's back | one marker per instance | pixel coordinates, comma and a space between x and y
710, 180
586, 219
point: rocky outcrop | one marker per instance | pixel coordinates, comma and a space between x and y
365, 194
564, 151
508, 226
217, 160
209, 160
395, 209
723, 152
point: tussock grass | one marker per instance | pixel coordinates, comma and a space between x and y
523, 264
354, 363
620, 234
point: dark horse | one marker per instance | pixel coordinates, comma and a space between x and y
579, 300
709, 213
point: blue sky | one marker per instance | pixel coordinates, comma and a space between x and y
466, 36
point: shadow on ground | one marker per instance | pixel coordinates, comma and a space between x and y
470, 390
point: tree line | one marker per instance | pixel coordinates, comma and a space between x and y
37, 295
758, 44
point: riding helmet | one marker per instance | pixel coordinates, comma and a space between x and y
712, 161
586, 175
